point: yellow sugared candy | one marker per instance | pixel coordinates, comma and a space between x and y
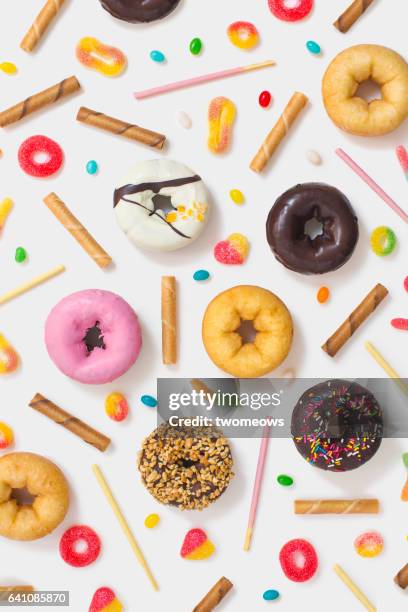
116, 406
152, 520
6, 436
8, 67
5, 208
221, 116
237, 196
94, 54
8, 357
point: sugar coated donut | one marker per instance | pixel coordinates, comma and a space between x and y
271, 321
43, 481
343, 77
136, 11
287, 229
187, 467
337, 425
93, 336
162, 205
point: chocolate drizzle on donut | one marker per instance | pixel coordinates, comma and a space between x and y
94, 338
143, 11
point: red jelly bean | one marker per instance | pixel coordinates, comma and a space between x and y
80, 546
299, 560
400, 324
281, 10
40, 147
265, 99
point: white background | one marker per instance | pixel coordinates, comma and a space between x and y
136, 276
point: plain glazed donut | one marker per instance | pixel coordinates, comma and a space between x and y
42, 480
271, 320
93, 336
342, 79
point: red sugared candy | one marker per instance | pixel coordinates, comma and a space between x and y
80, 546
406, 283
294, 13
265, 99
400, 323
299, 560
40, 156
105, 599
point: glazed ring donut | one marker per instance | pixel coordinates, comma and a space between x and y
43, 480
187, 467
271, 320
342, 79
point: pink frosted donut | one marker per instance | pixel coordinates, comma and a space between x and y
93, 336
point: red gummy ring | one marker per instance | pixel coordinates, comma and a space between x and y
71, 541
299, 560
280, 9
36, 146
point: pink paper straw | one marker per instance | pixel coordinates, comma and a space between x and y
260, 468
372, 184
205, 78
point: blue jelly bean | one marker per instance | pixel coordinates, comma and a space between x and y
313, 47
157, 56
201, 275
92, 167
271, 595
149, 400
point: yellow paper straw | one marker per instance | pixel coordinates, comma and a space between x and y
354, 588
31, 284
386, 367
123, 523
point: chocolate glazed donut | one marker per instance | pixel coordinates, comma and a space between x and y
287, 236
139, 11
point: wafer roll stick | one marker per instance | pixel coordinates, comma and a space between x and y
121, 128
66, 420
351, 14
214, 596
353, 322
47, 14
401, 579
39, 100
169, 319
337, 506
295, 105
26, 588
77, 230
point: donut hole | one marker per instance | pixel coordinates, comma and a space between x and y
369, 90
163, 203
313, 228
94, 338
247, 331
22, 496
41, 157
80, 547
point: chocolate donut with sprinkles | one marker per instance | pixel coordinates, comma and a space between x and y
337, 425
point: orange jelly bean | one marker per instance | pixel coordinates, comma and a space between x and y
323, 295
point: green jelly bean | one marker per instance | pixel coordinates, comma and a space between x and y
271, 595
201, 275
284, 480
149, 400
313, 47
405, 459
21, 255
196, 46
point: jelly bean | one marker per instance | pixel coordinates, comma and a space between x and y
5, 208
196, 46
400, 323
232, 251
369, 544
271, 595
149, 400
221, 116
105, 600
21, 255
405, 459
8, 357
197, 546
383, 241
237, 196
281, 10
8, 67
314, 157
116, 407
157, 56
323, 295
243, 35
201, 275
152, 520
95, 55
6, 436
184, 120
313, 47
92, 167
69, 546
265, 99
284, 480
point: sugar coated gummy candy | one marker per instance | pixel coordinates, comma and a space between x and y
243, 35
105, 600
196, 545
298, 560
116, 406
281, 10
383, 241
36, 147
8, 357
152, 521
400, 323
234, 250
369, 544
80, 546
94, 54
6, 436
221, 117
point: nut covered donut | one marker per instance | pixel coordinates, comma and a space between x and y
136, 11
342, 79
286, 229
187, 467
271, 321
43, 481
162, 205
